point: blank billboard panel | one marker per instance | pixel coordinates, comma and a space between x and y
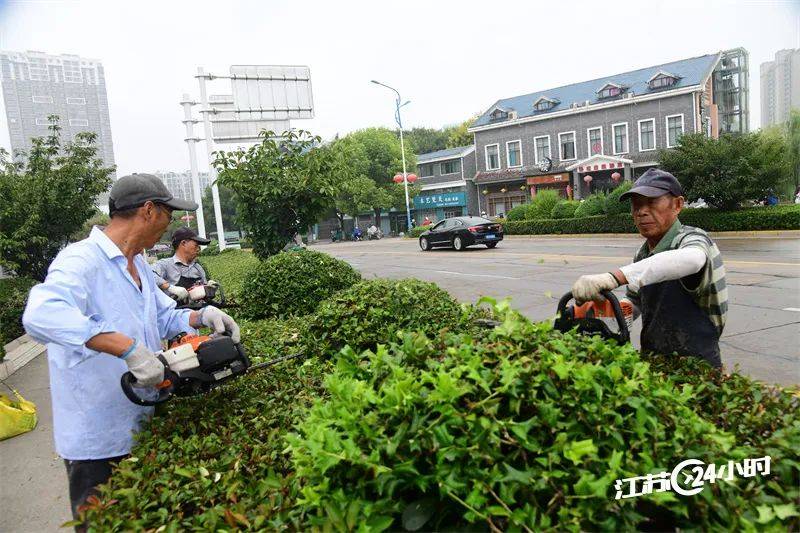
228, 127
271, 92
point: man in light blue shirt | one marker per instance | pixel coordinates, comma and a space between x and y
101, 314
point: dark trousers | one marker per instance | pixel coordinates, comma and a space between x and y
84, 477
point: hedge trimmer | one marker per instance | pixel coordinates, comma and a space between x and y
592, 317
195, 364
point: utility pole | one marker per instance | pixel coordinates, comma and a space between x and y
191, 142
212, 172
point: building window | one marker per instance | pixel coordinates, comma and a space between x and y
498, 114
620, 138
78, 122
76, 101
541, 147
647, 135
43, 122
609, 91
72, 72
567, 143
662, 81
595, 140
42, 99
450, 212
37, 70
674, 129
448, 167
514, 153
492, 156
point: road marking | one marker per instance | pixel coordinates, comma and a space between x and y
795, 309
475, 275
623, 260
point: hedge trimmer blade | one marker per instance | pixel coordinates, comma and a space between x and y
275, 361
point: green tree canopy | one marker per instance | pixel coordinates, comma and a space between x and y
727, 171
424, 140
46, 197
282, 185
459, 136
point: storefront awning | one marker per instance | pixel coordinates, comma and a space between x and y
599, 162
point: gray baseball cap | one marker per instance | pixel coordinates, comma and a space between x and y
136, 189
654, 183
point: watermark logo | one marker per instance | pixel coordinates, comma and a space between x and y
689, 477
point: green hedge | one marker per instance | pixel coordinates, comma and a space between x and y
229, 268
13, 296
416, 231
783, 217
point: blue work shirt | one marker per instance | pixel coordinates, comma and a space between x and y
88, 290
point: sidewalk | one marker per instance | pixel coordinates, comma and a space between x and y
33, 481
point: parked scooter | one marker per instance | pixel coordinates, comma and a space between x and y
373, 233
357, 235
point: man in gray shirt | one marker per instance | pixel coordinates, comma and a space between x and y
176, 274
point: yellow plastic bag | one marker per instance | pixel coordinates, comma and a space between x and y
16, 417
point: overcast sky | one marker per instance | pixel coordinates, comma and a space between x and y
451, 59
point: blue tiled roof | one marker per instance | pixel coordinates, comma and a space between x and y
441, 154
691, 72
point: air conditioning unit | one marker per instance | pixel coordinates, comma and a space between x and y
629, 94
512, 115
587, 102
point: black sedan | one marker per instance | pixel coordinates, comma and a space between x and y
460, 232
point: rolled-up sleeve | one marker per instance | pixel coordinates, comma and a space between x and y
56, 311
158, 273
171, 321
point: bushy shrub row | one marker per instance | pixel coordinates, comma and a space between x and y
520, 428
229, 268
293, 283
13, 297
416, 231
591, 206
785, 217
564, 209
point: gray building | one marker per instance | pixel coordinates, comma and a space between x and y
588, 136
180, 183
37, 85
443, 179
780, 87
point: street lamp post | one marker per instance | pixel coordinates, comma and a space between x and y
402, 148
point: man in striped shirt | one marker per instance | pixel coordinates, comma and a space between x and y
676, 280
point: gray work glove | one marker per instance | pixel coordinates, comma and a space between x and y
144, 365
179, 293
220, 322
590, 287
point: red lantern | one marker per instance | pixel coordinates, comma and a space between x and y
398, 178
616, 176
412, 178
587, 178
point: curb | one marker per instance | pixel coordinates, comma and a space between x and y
789, 233
19, 353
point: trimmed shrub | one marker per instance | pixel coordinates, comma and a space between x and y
230, 269
784, 217
270, 338
612, 205
542, 205
13, 297
212, 249
519, 212
373, 311
591, 206
564, 209
293, 283
416, 231
528, 429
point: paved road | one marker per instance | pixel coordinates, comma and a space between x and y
762, 334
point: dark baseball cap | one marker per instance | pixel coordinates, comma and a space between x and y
187, 234
654, 183
136, 189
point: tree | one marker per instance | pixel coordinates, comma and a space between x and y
793, 137
46, 198
424, 140
98, 218
375, 153
282, 186
354, 196
459, 136
227, 204
727, 171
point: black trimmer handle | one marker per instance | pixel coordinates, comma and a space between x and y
128, 382
565, 321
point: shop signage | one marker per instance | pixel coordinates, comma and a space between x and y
447, 199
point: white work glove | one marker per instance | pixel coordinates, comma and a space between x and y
220, 322
589, 288
179, 293
212, 283
144, 365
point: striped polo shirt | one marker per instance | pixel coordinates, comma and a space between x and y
708, 287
